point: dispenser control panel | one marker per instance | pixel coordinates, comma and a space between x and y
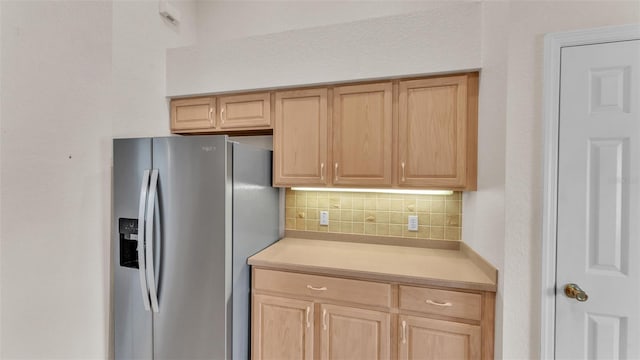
128, 229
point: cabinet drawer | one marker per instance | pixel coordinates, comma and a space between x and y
323, 287
441, 302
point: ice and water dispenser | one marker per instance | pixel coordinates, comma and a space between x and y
128, 229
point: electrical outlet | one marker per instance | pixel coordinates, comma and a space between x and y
324, 218
412, 223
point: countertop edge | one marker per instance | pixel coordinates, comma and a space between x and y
372, 276
375, 240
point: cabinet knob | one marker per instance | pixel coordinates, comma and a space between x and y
335, 172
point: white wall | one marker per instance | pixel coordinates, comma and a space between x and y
439, 40
56, 129
74, 75
223, 20
140, 40
527, 24
483, 210
1, 182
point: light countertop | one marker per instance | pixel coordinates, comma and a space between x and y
457, 267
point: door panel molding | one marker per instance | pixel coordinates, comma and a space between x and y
553, 43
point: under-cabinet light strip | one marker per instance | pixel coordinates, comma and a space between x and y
387, 191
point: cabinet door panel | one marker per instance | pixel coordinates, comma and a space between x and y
191, 114
351, 333
282, 328
430, 339
249, 111
362, 134
432, 132
300, 138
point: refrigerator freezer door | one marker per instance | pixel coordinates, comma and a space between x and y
255, 226
132, 335
192, 284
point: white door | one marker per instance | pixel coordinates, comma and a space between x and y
599, 202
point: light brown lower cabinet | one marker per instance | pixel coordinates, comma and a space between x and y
311, 316
282, 328
353, 333
425, 338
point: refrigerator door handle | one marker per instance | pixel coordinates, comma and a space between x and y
151, 205
141, 231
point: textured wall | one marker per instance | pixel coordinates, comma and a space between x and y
74, 74
223, 20
528, 21
56, 129
443, 39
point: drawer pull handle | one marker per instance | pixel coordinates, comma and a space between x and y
324, 319
316, 288
431, 302
404, 332
308, 311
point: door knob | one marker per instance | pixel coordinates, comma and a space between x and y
573, 291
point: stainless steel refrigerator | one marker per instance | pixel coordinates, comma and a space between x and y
188, 211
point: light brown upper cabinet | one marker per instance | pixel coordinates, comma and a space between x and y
418, 133
193, 114
249, 111
413, 133
362, 134
235, 113
437, 132
300, 138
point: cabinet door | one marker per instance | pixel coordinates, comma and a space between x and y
300, 138
193, 114
245, 112
282, 328
436, 133
430, 339
362, 134
352, 333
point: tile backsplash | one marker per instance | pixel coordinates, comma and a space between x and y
439, 216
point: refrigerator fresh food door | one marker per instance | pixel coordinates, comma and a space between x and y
255, 226
192, 248
132, 335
